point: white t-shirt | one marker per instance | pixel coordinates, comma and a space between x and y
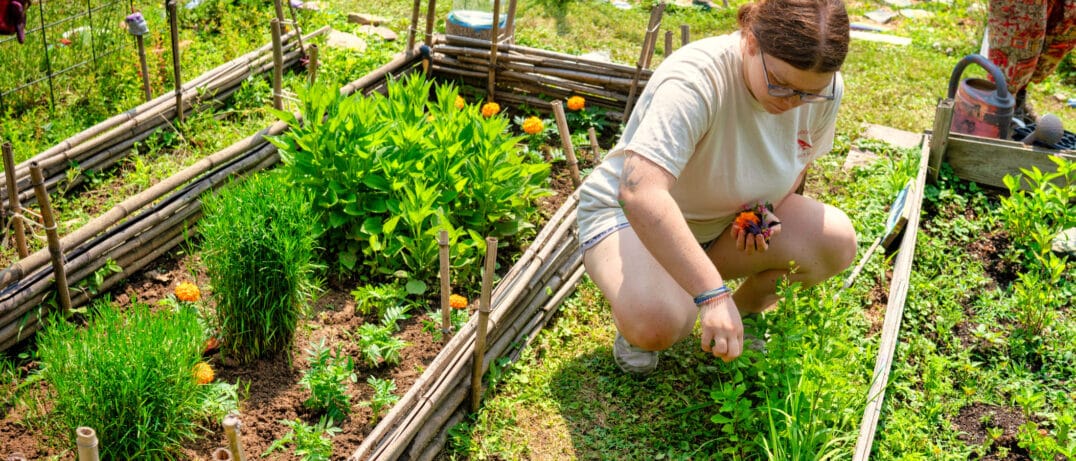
697, 120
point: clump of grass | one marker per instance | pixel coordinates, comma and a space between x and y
128, 376
259, 249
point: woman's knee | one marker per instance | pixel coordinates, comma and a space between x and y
655, 326
840, 246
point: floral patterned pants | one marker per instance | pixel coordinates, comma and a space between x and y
1028, 38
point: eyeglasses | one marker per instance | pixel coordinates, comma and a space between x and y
786, 92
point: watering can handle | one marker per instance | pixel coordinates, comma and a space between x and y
999, 78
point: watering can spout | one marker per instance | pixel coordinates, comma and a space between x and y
981, 107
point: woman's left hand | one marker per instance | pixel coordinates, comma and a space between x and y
754, 228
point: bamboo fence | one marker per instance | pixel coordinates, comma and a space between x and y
108, 142
145, 226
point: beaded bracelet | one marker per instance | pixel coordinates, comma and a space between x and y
709, 295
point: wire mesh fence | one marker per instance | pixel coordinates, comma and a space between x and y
64, 39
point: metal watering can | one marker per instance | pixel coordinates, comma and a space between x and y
980, 107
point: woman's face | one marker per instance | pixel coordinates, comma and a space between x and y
766, 74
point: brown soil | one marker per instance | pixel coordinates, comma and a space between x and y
974, 420
274, 390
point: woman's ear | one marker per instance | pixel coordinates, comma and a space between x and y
750, 44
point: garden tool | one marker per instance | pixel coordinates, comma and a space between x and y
981, 107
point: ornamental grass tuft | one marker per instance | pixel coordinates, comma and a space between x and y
128, 376
259, 250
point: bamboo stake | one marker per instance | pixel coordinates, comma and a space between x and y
86, 439
446, 322
685, 34
232, 427
312, 64
510, 23
431, 10
566, 142
221, 454
279, 8
483, 320
278, 65
145, 68
414, 28
644, 56
13, 204
55, 250
173, 24
494, 38
668, 42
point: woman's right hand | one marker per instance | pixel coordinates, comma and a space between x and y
722, 328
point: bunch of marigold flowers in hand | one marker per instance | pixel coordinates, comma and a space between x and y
754, 226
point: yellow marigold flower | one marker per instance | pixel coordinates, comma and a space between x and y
533, 125
430, 118
187, 291
490, 109
576, 103
203, 373
460, 102
457, 301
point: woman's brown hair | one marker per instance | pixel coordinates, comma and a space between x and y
810, 35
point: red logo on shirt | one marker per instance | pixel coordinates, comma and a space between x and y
805, 147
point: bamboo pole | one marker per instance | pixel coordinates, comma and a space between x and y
232, 428
55, 250
685, 34
278, 64
13, 204
483, 321
566, 142
510, 48
431, 11
221, 454
644, 56
413, 30
446, 290
510, 23
173, 24
278, 7
494, 38
312, 64
668, 43
86, 439
145, 68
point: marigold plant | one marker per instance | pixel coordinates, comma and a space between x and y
533, 125
490, 109
576, 103
187, 291
203, 373
457, 301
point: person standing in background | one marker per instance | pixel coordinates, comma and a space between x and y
1028, 39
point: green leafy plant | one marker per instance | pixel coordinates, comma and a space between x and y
389, 172
130, 374
431, 322
374, 299
326, 379
259, 251
1038, 206
312, 443
383, 396
376, 342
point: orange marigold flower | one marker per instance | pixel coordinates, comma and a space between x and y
203, 373
457, 301
187, 291
460, 102
533, 125
747, 220
490, 109
576, 103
